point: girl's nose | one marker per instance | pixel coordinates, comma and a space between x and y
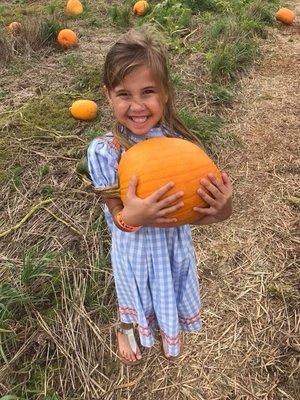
137, 105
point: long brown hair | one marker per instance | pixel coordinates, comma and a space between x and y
136, 48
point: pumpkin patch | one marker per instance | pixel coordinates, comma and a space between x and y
158, 161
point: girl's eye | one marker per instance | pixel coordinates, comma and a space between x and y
148, 91
123, 94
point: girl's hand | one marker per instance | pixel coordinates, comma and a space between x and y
151, 210
219, 199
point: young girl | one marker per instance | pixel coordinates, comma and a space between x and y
154, 268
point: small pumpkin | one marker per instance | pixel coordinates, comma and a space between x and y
286, 16
67, 38
157, 161
140, 7
14, 27
85, 110
74, 7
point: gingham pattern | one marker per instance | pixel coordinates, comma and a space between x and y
154, 268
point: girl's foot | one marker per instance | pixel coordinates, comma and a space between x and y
128, 350
164, 347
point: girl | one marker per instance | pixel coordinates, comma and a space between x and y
154, 268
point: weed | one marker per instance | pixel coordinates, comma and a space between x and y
47, 191
226, 60
92, 133
15, 174
219, 94
34, 267
90, 79
53, 6
71, 60
50, 29
12, 299
177, 80
204, 5
3, 93
48, 112
262, 12
204, 126
43, 170
120, 15
171, 16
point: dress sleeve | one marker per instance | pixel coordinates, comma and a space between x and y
102, 163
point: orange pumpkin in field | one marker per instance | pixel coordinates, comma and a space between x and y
158, 161
140, 7
74, 7
14, 27
67, 38
286, 16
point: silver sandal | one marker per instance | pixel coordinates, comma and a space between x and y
129, 332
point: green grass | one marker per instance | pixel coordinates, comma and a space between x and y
205, 126
50, 111
219, 94
89, 80
121, 15
226, 61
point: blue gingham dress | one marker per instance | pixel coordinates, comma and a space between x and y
154, 269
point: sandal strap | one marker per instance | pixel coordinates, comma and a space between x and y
130, 336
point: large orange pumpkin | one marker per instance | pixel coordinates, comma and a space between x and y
286, 16
157, 161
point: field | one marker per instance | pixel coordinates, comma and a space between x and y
235, 70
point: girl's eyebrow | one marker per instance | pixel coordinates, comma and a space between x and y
122, 90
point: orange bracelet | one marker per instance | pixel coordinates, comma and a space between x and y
123, 224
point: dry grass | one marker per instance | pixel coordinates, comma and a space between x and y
249, 346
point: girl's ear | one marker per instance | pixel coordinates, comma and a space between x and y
107, 94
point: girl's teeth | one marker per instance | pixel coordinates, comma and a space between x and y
139, 120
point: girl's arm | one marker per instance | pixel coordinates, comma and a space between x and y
218, 196
114, 205
145, 212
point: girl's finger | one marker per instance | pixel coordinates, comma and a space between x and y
169, 200
131, 191
165, 221
171, 209
207, 198
155, 196
203, 211
213, 185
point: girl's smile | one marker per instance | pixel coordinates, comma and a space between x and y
138, 101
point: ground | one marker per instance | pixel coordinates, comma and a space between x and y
249, 346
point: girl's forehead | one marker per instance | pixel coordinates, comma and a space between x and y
140, 76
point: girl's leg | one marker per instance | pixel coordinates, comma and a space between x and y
164, 346
127, 347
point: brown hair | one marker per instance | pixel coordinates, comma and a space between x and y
136, 48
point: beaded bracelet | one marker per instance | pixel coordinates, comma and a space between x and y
123, 224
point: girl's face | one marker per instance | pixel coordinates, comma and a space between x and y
138, 101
